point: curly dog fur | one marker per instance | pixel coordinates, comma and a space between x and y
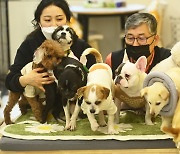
47, 56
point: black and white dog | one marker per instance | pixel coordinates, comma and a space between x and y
71, 75
65, 35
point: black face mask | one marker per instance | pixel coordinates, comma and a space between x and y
137, 51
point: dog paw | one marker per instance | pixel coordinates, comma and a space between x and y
112, 131
95, 127
150, 123
72, 125
9, 122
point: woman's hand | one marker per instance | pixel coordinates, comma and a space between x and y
34, 78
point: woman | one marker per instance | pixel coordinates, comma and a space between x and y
49, 14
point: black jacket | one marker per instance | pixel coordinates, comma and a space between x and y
25, 53
160, 54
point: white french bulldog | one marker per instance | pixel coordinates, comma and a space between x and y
129, 80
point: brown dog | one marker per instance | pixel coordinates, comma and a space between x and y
47, 56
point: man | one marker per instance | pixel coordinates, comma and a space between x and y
140, 39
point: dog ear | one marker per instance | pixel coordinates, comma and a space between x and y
105, 92
38, 55
118, 70
75, 37
55, 33
164, 95
144, 91
80, 92
141, 63
57, 70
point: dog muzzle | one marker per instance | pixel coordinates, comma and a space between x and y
152, 77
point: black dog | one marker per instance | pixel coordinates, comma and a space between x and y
71, 75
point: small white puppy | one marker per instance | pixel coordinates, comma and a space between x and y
129, 80
163, 95
171, 61
98, 96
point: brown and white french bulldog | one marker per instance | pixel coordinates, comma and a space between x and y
129, 78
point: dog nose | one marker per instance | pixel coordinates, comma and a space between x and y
118, 79
92, 111
63, 33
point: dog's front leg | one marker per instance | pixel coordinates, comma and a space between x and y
166, 122
93, 121
117, 114
72, 124
148, 120
101, 119
67, 115
111, 129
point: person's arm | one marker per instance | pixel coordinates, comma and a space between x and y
23, 56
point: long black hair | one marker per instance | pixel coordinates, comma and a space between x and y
45, 3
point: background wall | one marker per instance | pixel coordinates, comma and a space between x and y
109, 27
4, 55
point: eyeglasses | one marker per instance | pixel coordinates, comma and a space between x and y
142, 40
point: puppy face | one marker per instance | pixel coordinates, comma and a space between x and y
157, 96
49, 54
71, 76
128, 75
94, 97
69, 81
65, 35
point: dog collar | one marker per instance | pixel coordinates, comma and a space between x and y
85, 68
152, 77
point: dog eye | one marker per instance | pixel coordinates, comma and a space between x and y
88, 103
68, 29
97, 102
127, 76
149, 102
158, 103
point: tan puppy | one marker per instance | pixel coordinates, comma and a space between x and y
163, 99
98, 96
